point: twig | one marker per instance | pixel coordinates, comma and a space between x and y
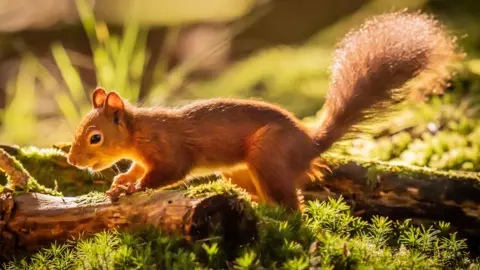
17, 176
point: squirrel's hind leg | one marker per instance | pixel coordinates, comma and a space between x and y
276, 158
242, 178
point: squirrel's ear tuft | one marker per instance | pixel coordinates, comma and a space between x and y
114, 101
98, 97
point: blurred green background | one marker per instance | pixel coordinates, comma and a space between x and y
170, 52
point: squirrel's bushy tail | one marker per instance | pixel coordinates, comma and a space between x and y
374, 65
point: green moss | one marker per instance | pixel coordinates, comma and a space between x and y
326, 236
92, 197
34, 186
32, 183
400, 168
219, 186
41, 153
48, 166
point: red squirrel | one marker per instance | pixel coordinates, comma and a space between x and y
370, 73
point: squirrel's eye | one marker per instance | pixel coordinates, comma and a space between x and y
95, 138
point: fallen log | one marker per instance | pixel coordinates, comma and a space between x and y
33, 220
371, 188
406, 192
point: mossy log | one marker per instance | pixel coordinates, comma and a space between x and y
31, 221
404, 192
49, 167
371, 188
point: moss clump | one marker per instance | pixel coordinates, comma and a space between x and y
34, 186
31, 184
218, 186
41, 153
92, 197
49, 166
400, 168
326, 236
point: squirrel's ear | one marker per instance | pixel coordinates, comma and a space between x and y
98, 97
114, 101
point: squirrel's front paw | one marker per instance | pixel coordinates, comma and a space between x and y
121, 183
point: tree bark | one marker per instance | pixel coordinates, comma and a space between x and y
31, 221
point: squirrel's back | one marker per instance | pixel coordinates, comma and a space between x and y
373, 64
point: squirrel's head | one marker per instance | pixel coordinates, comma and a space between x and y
102, 138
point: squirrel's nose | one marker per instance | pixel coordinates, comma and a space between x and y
71, 160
